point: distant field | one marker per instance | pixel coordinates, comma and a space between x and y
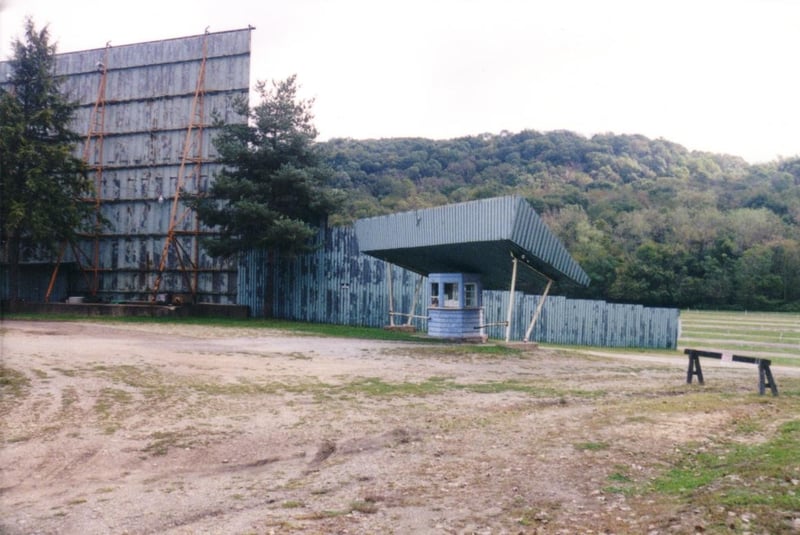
771, 335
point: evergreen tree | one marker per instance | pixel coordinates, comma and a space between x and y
272, 192
42, 184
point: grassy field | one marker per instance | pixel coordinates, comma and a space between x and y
759, 334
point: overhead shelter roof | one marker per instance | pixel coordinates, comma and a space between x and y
473, 237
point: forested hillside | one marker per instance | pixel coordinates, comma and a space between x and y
649, 221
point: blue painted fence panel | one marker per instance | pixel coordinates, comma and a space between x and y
336, 284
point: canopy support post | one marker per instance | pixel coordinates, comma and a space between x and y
391, 293
511, 297
538, 310
417, 290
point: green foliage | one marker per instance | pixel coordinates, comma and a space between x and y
273, 190
758, 478
648, 220
42, 185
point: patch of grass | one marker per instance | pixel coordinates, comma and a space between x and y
759, 479
68, 373
108, 399
364, 506
157, 386
525, 515
40, 374
537, 390
133, 376
69, 397
13, 384
591, 446
374, 386
152, 384
240, 388
108, 407
621, 483
161, 441
456, 349
298, 327
328, 513
293, 504
378, 387
748, 427
316, 329
619, 477
683, 399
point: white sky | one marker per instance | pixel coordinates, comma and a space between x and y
713, 75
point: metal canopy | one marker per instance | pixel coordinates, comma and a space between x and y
473, 237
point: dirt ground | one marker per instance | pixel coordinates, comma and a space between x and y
154, 428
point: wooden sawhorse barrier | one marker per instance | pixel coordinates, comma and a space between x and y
765, 379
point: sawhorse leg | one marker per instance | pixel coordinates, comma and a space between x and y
765, 379
694, 369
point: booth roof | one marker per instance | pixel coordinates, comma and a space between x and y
473, 237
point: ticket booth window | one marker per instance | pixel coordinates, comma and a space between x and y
434, 294
470, 294
451, 294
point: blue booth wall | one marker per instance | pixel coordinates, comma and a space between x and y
455, 318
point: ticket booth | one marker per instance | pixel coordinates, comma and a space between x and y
455, 310
463, 249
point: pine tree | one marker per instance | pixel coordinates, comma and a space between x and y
42, 184
272, 193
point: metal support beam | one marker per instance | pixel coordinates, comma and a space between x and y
93, 158
510, 314
538, 311
391, 293
94, 147
54, 276
192, 156
417, 291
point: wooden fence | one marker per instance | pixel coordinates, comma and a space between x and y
336, 284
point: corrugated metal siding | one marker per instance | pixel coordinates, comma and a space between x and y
408, 237
337, 284
475, 221
149, 94
531, 233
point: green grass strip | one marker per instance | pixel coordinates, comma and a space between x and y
747, 477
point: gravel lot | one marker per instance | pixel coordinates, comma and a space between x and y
169, 428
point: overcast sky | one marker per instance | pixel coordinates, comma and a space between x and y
712, 75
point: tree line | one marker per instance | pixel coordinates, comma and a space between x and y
650, 221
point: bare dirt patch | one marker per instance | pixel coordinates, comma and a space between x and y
151, 428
